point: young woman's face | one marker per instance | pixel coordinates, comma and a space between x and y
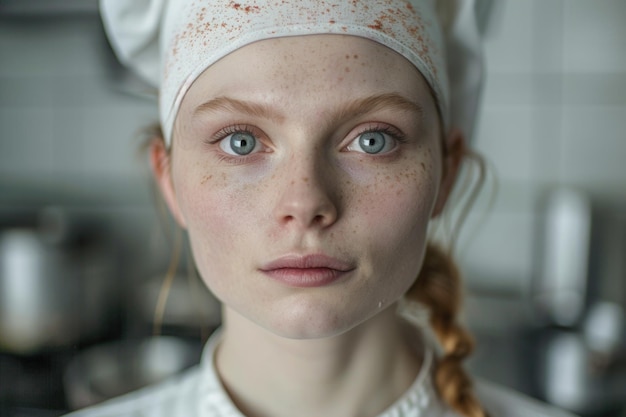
306, 170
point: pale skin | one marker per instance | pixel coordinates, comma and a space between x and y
313, 111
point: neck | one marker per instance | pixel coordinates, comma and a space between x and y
358, 373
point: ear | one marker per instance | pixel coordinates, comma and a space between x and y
454, 151
161, 164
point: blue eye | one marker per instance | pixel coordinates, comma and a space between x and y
239, 143
373, 142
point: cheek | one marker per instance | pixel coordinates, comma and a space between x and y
402, 196
218, 214
396, 211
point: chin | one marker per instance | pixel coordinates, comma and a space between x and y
314, 321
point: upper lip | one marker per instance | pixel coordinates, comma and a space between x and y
307, 261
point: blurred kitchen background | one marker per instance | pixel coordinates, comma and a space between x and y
84, 251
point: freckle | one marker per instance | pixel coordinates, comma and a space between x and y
305, 179
347, 56
347, 69
292, 182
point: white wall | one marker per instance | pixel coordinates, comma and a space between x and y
62, 123
554, 115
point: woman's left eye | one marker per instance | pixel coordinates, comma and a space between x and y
239, 144
373, 142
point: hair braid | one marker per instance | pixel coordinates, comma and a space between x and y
438, 287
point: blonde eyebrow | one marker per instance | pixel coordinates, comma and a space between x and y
228, 104
393, 101
354, 109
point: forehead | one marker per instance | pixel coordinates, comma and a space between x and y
334, 66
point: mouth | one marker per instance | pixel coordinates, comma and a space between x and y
306, 271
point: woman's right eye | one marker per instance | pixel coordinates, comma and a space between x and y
239, 144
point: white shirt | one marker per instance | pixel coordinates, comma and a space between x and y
198, 392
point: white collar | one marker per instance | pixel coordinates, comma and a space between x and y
420, 400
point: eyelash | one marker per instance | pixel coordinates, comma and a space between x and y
230, 130
391, 131
394, 133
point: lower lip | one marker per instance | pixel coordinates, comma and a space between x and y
305, 277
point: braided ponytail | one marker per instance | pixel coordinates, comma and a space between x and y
438, 287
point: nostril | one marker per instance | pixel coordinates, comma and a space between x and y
318, 219
306, 205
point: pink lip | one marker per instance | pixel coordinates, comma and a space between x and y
306, 271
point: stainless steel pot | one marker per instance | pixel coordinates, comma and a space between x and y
52, 294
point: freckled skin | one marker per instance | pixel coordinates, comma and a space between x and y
308, 193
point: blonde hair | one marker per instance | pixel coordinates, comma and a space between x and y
438, 287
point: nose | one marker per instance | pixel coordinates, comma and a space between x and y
308, 196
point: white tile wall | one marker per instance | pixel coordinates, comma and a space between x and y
594, 89
27, 140
593, 39
49, 48
505, 139
503, 89
554, 114
546, 32
500, 256
510, 44
62, 120
594, 147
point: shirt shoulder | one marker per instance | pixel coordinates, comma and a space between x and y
177, 396
503, 402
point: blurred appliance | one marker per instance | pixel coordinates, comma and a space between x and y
579, 371
561, 286
578, 296
57, 284
58, 293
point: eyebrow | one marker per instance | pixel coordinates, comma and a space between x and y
363, 106
239, 106
353, 109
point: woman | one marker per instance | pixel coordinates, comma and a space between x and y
306, 147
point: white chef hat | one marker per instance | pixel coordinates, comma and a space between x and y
171, 42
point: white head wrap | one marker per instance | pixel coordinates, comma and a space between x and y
171, 42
